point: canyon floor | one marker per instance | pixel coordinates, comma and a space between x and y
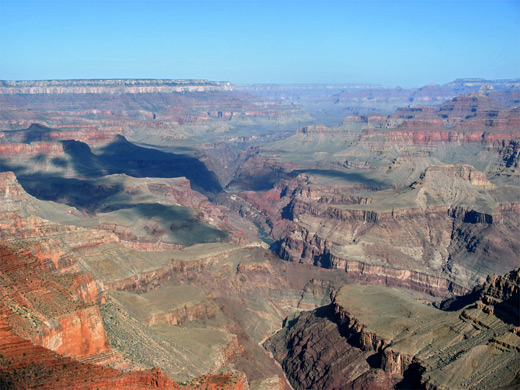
200, 235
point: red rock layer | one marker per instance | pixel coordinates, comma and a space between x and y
58, 313
24, 365
36, 133
373, 137
62, 312
80, 333
466, 119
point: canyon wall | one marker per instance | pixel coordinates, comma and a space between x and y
111, 86
373, 337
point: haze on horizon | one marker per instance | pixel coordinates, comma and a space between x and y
384, 42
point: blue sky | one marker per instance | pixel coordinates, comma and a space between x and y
406, 43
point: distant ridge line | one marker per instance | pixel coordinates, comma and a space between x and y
111, 86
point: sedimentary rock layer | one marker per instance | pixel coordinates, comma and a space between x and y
373, 337
111, 86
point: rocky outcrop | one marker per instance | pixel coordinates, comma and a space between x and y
509, 159
412, 237
77, 334
320, 356
228, 381
59, 313
378, 338
502, 288
24, 365
177, 316
498, 295
464, 172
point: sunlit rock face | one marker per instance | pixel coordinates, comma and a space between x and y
375, 337
159, 231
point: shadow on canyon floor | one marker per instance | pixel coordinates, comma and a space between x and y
349, 177
122, 156
88, 193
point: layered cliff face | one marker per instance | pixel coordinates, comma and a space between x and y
49, 325
110, 86
140, 194
161, 111
141, 220
329, 104
468, 129
205, 307
24, 365
425, 198
373, 337
442, 234
47, 304
55, 313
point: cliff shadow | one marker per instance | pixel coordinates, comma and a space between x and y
177, 222
122, 156
84, 195
258, 181
83, 161
509, 310
412, 378
349, 177
458, 302
180, 224
34, 133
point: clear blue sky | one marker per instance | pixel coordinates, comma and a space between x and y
407, 43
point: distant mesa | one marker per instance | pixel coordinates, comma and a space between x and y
116, 86
136, 218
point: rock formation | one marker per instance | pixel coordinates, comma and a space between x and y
374, 337
126, 296
110, 86
136, 217
434, 236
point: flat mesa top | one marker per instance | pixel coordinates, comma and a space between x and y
388, 312
79, 82
119, 86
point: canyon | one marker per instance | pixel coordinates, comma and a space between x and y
196, 234
373, 337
